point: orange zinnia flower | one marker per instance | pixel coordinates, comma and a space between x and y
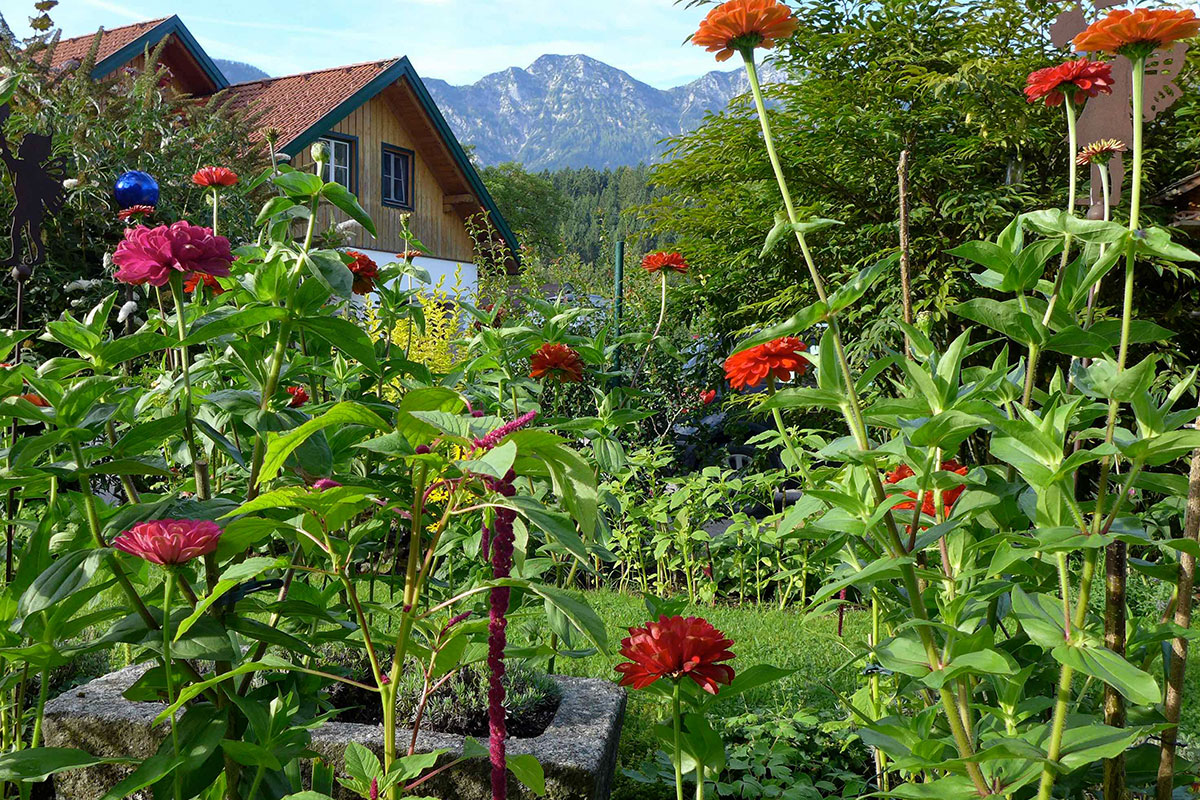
36, 399
949, 496
1077, 80
1099, 152
1138, 33
777, 359
556, 361
195, 279
215, 176
655, 262
739, 26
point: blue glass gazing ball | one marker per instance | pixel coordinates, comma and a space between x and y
136, 188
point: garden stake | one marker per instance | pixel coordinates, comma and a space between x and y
905, 285
1185, 594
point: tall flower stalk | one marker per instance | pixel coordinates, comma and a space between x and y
726, 25
1134, 35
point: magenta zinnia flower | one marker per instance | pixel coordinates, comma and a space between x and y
152, 255
169, 541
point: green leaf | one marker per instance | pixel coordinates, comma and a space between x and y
81, 398
345, 336
36, 764
1006, 317
328, 267
129, 347
557, 526
149, 772
148, 435
341, 197
1041, 618
1075, 341
280, 446
528, 770
850, 292
210, 326
985, 254
63, 578
299, 184
804, 319
1106, 666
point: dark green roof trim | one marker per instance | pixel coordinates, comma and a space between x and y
402, 68
151, 38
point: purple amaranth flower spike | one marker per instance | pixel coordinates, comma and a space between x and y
373, 794
495, 437
502, 562
457, 618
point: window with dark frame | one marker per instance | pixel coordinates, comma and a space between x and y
397, 177
340, 168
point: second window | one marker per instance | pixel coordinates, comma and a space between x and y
397, 177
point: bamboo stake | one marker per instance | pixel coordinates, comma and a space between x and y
1179, 646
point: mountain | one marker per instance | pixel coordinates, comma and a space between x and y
575, 111
239, 72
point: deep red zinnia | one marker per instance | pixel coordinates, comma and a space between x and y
656, 262
169, 541
215, 176
558, 362
299, 396
778, 359
1079, 80
365, 272
742, 25
135, 211
675, 648
708, 397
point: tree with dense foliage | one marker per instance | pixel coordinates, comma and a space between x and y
867, 80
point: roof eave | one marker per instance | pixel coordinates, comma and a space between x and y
151, 38
403, 68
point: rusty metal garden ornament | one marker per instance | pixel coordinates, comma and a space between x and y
37, 177
1110, 116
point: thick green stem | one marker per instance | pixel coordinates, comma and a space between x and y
1031, 361
677, 722
168, 585
189, 433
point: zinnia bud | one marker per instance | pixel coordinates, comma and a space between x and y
319, 152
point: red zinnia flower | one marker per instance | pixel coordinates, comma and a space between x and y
215, 176
1138, 33
556, 361
409, 255
196, 278
777, 359
36, 399
299, 396
708, 397
1078, 80
676, 648
656, 262
1099, 152
742, 25
949, 496
135, 211
169, 541
365, 272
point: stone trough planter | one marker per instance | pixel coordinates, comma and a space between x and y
578, 750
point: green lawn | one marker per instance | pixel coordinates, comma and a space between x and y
761, 636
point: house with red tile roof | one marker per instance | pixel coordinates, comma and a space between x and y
388, 141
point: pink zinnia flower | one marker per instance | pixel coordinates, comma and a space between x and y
169, 541
152, 255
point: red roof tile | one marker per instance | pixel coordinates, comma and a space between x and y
111, 41
294, 103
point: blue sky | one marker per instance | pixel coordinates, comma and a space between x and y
456, 40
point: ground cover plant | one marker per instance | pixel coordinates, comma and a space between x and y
956, 562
